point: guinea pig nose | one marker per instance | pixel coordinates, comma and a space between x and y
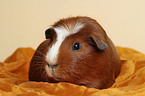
54, 66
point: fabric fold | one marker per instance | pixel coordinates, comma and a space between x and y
14, 78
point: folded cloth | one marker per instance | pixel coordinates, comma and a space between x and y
14, 78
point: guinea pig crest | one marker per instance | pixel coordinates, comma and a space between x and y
76, 50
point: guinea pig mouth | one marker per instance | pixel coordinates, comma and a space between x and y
51, 72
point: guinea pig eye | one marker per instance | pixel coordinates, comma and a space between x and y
76, 46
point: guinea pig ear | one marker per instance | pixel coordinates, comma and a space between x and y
99, 44
49, 33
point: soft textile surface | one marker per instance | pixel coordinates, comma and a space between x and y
14, 78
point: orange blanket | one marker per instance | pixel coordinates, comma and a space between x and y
14, 78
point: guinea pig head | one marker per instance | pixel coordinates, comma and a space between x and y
76, 50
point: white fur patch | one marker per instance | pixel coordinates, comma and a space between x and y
48, 71
62, 32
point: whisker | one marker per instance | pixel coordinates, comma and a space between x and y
38, 68
38, 65
40, 52
39, 57
35, 70
38, 62
43, 74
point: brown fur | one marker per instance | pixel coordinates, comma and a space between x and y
91, 66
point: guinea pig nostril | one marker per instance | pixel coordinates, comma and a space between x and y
48, 65
55, 66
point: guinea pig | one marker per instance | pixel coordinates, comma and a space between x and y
76, 50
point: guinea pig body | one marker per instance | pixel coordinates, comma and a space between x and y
77, 50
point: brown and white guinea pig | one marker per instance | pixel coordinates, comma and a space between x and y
76, 50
